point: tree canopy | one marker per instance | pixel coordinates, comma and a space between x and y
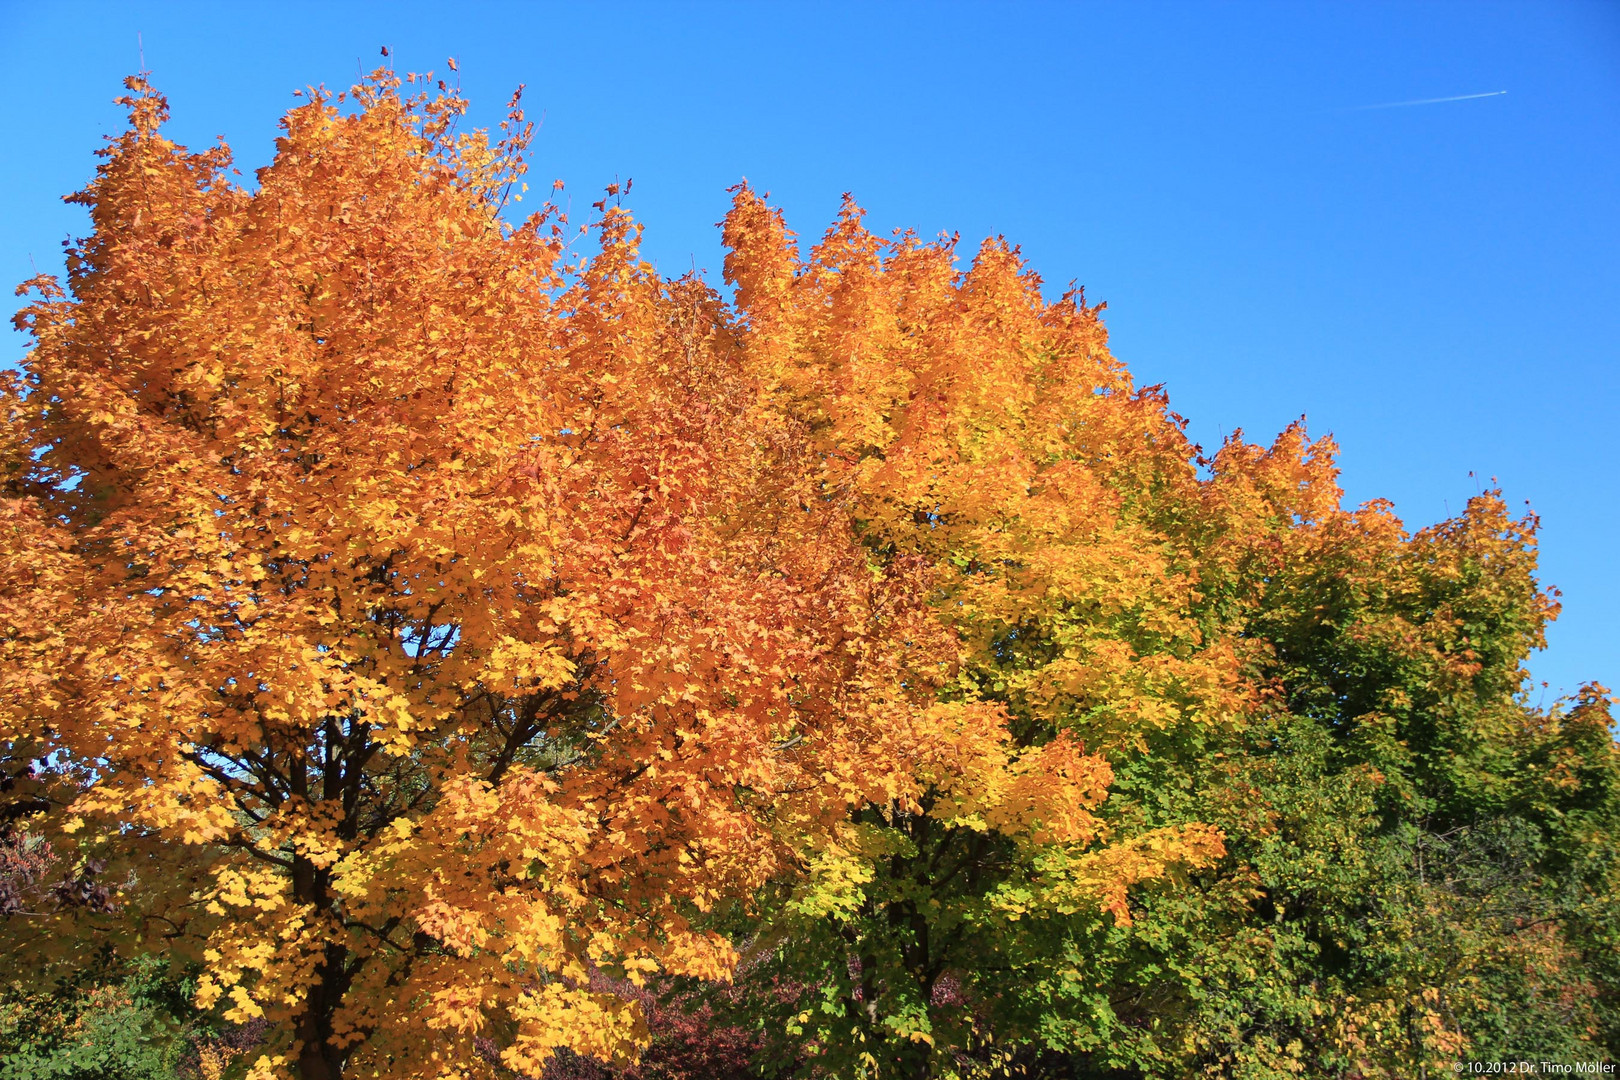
471, 657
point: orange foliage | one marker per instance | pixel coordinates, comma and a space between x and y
468, 619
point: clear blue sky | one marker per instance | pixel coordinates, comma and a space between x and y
1437, 285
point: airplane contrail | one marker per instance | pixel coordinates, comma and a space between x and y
1428, 101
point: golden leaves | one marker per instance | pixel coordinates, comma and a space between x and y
555, 1016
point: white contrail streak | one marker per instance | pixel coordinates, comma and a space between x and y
1428, 101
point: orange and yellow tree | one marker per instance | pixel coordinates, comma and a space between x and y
975, 428
421, 622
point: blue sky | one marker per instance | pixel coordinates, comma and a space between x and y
1437, 285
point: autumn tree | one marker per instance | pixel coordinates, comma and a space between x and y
975, 428
426, 627
404, 594
471, 653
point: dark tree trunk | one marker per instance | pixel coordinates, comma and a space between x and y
318, 1058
